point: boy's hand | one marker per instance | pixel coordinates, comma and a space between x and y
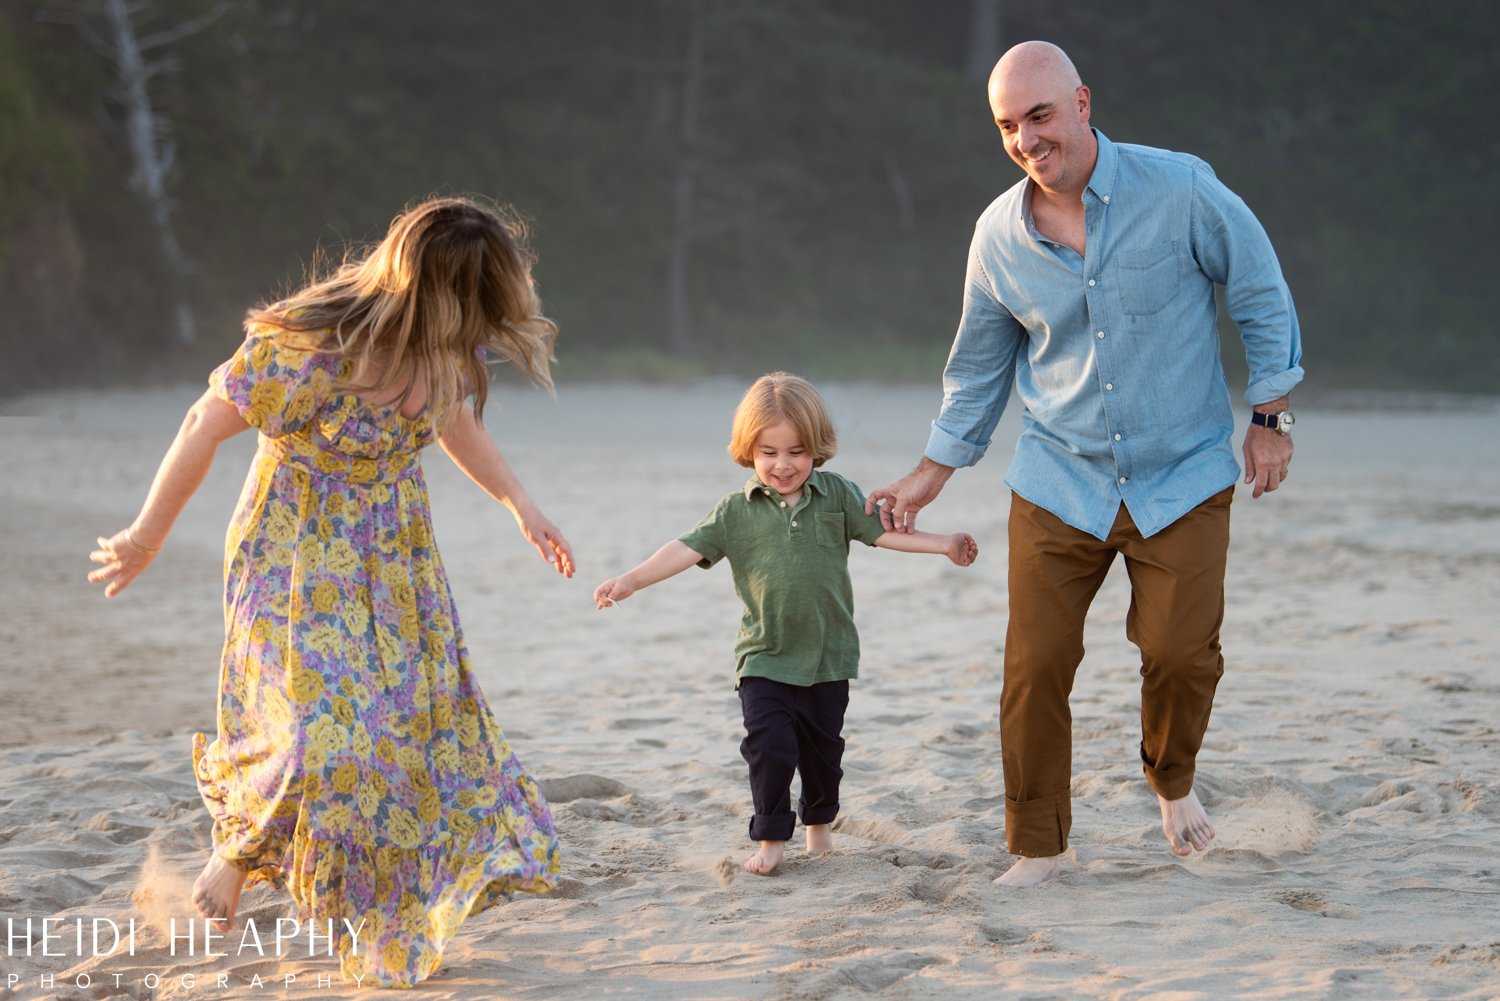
962, 549
613, 591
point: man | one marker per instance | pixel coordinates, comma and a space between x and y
1090, 288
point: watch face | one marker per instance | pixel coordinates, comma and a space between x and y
1284, 421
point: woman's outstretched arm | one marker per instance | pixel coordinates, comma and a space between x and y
472, 449
123, 556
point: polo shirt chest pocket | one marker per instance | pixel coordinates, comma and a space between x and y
1147, 278
829, 530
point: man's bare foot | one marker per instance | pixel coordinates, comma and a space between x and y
216, 892
1031, 871
765, 861
1186, 824
819, 839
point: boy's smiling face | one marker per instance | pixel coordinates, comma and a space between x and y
781, 462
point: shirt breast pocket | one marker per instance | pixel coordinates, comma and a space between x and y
829, 530
1147, 278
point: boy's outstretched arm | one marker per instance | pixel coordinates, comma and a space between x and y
959, 547
673, 558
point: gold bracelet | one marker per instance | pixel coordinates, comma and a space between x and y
138, 547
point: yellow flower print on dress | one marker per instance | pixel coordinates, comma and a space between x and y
300, 407
395, 955
341, 558
310, 554
360, 742
307, 686
356, 618
430, 806
281, 523
326, 639
346, 778
269, 396
338, 817
402, 828
368, 800
327, 733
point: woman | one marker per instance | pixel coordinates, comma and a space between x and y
356, 762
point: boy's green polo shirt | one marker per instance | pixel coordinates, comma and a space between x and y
791, 569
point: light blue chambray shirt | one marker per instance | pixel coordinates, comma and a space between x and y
1115, 354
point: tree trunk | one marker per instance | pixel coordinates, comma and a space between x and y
984, 49
679, 324
150, 156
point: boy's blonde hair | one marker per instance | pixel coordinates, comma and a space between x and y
777, 397
449, 286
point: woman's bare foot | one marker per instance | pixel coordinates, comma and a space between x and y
765, 861
1031, 871
1186, 824
819, 839
216, 892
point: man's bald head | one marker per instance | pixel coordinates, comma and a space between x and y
1037, 62
1042, 109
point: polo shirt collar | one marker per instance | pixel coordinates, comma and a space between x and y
814, 483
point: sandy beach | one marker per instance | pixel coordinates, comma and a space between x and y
1352, 765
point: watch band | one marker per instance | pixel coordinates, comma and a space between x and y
1281, 422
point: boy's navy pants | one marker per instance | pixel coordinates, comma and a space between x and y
792, 728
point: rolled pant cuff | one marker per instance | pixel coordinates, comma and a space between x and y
1038, 828
1171, 783
819, 814
772, 827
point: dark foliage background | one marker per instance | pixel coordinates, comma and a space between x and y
721, 185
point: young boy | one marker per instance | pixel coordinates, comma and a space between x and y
786, 536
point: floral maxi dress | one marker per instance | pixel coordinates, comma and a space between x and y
357, 763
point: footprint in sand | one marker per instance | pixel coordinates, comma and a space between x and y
584, 786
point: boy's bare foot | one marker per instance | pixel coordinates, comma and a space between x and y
765, 861
819, 839
1186, 824
1031, 871
216, 892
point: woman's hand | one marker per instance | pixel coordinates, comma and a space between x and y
122, 558
548, 540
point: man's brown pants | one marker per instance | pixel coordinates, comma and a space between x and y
1176, 608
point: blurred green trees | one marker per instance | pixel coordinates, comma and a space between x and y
802, 174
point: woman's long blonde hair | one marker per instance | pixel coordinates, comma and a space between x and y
448, 285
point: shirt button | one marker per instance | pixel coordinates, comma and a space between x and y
1117, 437
1091, 283
1106, 199
1100, 334
1109, 386
783, 503
794, 524
1124, 478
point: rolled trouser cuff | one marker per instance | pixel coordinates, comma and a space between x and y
772, 827
1038, 828
822, 814
1168, 783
